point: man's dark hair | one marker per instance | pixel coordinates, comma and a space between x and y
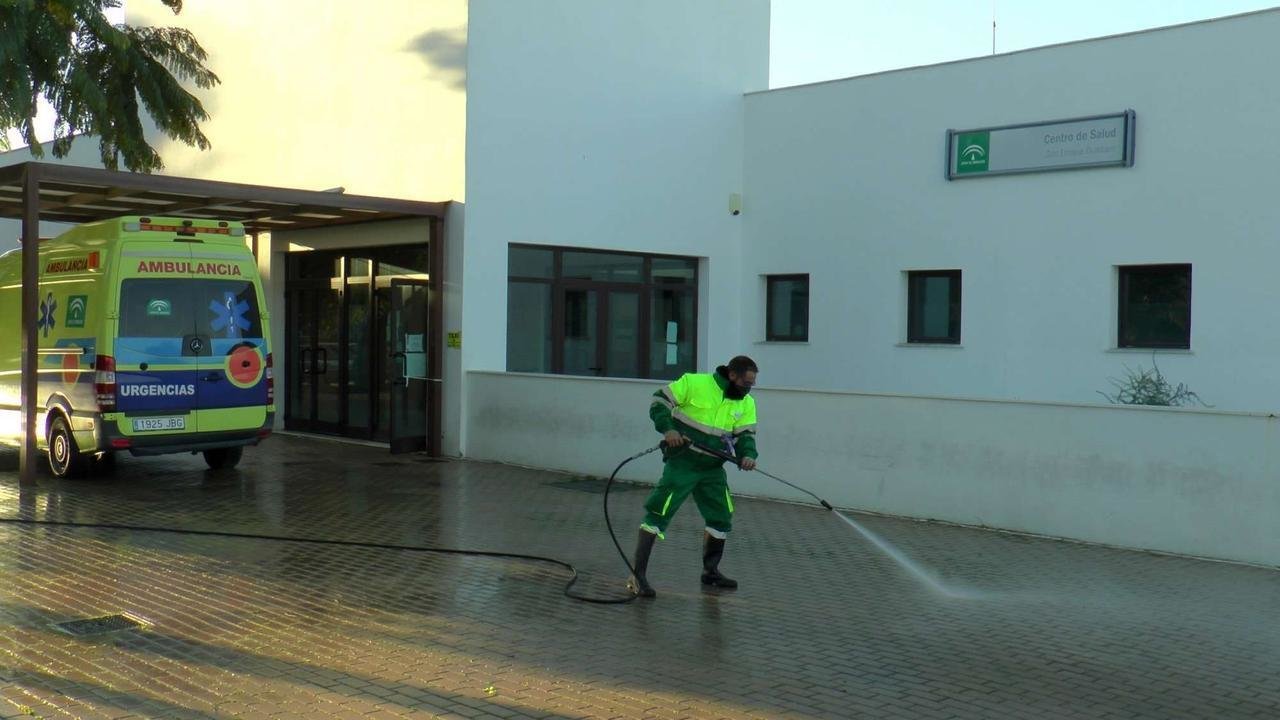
741, 365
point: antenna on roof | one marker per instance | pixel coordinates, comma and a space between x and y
993, 27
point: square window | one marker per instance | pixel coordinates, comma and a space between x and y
933, 306
1155, 306
787, 308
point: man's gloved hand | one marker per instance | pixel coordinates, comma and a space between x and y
673, 439
747, 463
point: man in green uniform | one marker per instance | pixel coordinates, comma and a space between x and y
715, 411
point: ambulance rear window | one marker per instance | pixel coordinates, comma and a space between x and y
174, 307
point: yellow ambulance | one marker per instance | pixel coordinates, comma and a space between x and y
153, 340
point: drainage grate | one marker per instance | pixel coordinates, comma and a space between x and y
99, 625
594, 485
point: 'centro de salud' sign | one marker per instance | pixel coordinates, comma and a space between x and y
1099, 141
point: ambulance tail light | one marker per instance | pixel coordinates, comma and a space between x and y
271, 381
104, 383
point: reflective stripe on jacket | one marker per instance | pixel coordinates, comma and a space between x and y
695, 405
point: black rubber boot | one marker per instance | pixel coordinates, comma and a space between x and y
638, 583
712, 550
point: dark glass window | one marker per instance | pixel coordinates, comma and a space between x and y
402, 260
529, 333
1155, 306
674, 271
787, 307
314, 266
672, 332
580, 312
532, 262
174, 307
611, 267
933, 306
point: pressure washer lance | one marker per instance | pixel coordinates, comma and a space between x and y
711, 451
922, 575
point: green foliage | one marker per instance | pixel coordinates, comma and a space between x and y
99, 78
1149, 387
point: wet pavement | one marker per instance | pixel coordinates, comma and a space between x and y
825, 625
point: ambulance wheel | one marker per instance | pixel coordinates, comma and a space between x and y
65, 459
221, 458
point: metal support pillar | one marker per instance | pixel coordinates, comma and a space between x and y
30, 329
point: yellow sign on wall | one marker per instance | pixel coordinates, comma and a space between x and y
455, 339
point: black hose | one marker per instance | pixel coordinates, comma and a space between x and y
573, 571
609, 524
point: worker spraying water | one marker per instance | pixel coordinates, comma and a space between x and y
705, 419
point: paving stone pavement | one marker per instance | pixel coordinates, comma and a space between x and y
825, 625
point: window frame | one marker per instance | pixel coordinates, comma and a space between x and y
769, 281
646, 288
955, 304
1124, 273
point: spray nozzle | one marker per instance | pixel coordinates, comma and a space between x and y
827, 505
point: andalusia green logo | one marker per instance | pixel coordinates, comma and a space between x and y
76, 307
972, 152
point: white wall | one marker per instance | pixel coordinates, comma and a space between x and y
451, 412
1194, 482
369, 96
606, 125
845, 181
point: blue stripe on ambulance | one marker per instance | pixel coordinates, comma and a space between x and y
183, 390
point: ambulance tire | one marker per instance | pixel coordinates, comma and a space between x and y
223, 458
65, 459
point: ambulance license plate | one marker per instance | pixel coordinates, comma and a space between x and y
159, 423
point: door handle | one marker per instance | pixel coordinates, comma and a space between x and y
305, 369
402, 362
323, 354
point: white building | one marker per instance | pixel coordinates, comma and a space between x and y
944, 340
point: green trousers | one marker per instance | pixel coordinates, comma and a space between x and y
690, 473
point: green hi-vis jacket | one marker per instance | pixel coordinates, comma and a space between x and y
695, 406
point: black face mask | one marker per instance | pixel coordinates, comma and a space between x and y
735, 391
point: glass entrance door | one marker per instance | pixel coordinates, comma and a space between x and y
358, 345
408, 366
405, 376
300, 397
314, 400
